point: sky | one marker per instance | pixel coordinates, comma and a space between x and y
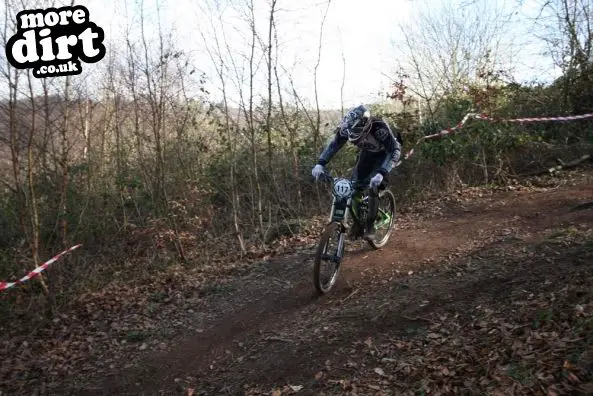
364, 33
360, 31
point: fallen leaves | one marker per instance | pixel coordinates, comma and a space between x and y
524, 338
287, 390
494, 324
379, 371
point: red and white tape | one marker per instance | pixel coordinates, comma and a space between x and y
536, 119
485, 117
36, 271
447, 131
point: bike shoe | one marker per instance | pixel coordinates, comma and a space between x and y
369, 234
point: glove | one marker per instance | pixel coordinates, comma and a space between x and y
376, 180
317, 171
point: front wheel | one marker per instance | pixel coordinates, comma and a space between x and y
328, 257
385, 220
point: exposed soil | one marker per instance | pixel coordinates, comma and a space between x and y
472, 295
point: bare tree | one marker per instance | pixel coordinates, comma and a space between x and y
317, 130
566, 28
20, 112
217, 57
270, 79
31, 168
11, 76
445, 47
290, 129
343, 76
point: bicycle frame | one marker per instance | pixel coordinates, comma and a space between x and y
341, 210
341, 205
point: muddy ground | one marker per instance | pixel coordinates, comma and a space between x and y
483, 292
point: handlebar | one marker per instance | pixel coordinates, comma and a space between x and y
327, 177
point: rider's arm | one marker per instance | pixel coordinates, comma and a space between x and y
392, 148
333, 147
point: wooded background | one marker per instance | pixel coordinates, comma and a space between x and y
145, 175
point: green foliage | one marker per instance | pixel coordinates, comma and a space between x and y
206, 180
482, 146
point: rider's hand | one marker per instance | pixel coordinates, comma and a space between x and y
376, 180
317, 171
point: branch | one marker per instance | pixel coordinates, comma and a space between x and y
562, 166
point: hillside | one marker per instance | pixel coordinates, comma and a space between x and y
509, 268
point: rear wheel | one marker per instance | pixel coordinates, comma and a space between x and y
328, 257
385, 219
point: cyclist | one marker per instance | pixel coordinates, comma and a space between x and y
379, 151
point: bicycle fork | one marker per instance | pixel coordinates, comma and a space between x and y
339, 214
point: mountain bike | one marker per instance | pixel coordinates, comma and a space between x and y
341, 219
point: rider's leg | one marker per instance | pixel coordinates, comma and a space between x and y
374, 208
374, 165
356, 230
365, 169
372, 214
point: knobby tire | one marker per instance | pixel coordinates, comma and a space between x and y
329, 231
385, 239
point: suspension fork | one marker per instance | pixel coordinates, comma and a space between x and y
346, 215
342, 235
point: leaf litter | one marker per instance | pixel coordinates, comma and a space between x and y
494, 316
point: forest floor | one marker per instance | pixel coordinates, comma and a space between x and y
486, 291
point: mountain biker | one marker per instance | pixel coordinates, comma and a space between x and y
379, 151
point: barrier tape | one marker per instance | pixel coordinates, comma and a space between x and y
485, 117
36, 271
521, 120
7, 285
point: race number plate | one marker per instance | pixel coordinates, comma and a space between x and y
342, 188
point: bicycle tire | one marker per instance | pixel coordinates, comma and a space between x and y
323, 240
385, 239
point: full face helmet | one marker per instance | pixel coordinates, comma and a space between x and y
355, 123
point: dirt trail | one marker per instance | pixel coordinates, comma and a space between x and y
274, 330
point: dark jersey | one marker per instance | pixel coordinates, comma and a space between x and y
379, 139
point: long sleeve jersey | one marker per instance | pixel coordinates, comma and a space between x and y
379, 139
